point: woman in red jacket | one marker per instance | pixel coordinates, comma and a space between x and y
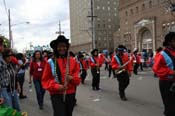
58, 71
36, 71
164, 67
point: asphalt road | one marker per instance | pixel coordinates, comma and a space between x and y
142, 93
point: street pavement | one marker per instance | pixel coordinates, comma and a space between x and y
143, 98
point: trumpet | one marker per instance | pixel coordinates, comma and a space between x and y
98, 69
120, 71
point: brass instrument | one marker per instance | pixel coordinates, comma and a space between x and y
120, 71
98, 67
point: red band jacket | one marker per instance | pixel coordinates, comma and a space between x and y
124, 58
160, 67
96, 60
48, 80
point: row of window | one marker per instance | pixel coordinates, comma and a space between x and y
108, 26
137, 8
109, 2
104, 8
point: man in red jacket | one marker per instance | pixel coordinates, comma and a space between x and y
96, 62
58, 71
164, 68
122, 66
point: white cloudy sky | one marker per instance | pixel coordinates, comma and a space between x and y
43, 15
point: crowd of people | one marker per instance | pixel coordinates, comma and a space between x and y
61, 71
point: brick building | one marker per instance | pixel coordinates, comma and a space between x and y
106, 22
144, 23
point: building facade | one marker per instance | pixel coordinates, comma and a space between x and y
106, 22
144, 23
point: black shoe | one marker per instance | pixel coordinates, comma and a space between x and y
22, 97
82, 82
98, 89
93, 88
124, 99
41, 107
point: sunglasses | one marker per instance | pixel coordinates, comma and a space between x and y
9, 55
62, 48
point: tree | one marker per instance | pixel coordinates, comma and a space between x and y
6, 42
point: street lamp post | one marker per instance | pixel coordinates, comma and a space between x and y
10, 31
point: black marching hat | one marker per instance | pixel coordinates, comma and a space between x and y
93, 51
120, 48
60, 39
170, 36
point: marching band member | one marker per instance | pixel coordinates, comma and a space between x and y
164, 67
122, 65
60, 70
135, 60
83, 67
96, 62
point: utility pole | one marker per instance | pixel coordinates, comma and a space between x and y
10, 30
60, 32
93, 25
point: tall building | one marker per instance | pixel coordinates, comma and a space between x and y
144, 23
106, 22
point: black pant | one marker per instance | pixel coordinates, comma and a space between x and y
141, 66
123, 80
111, 70
21, 80
136, 65
106, 66
168, 97
95, 78
83, 75
61, 108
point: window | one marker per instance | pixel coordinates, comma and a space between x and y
98, 7
126, 13
108, 2
115, 3
104, 25
109, 20
143, 6
115, 14
103, 8
109, 26
115, 9
132, 12
137, 9
150, 4
109, 8
98, 25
